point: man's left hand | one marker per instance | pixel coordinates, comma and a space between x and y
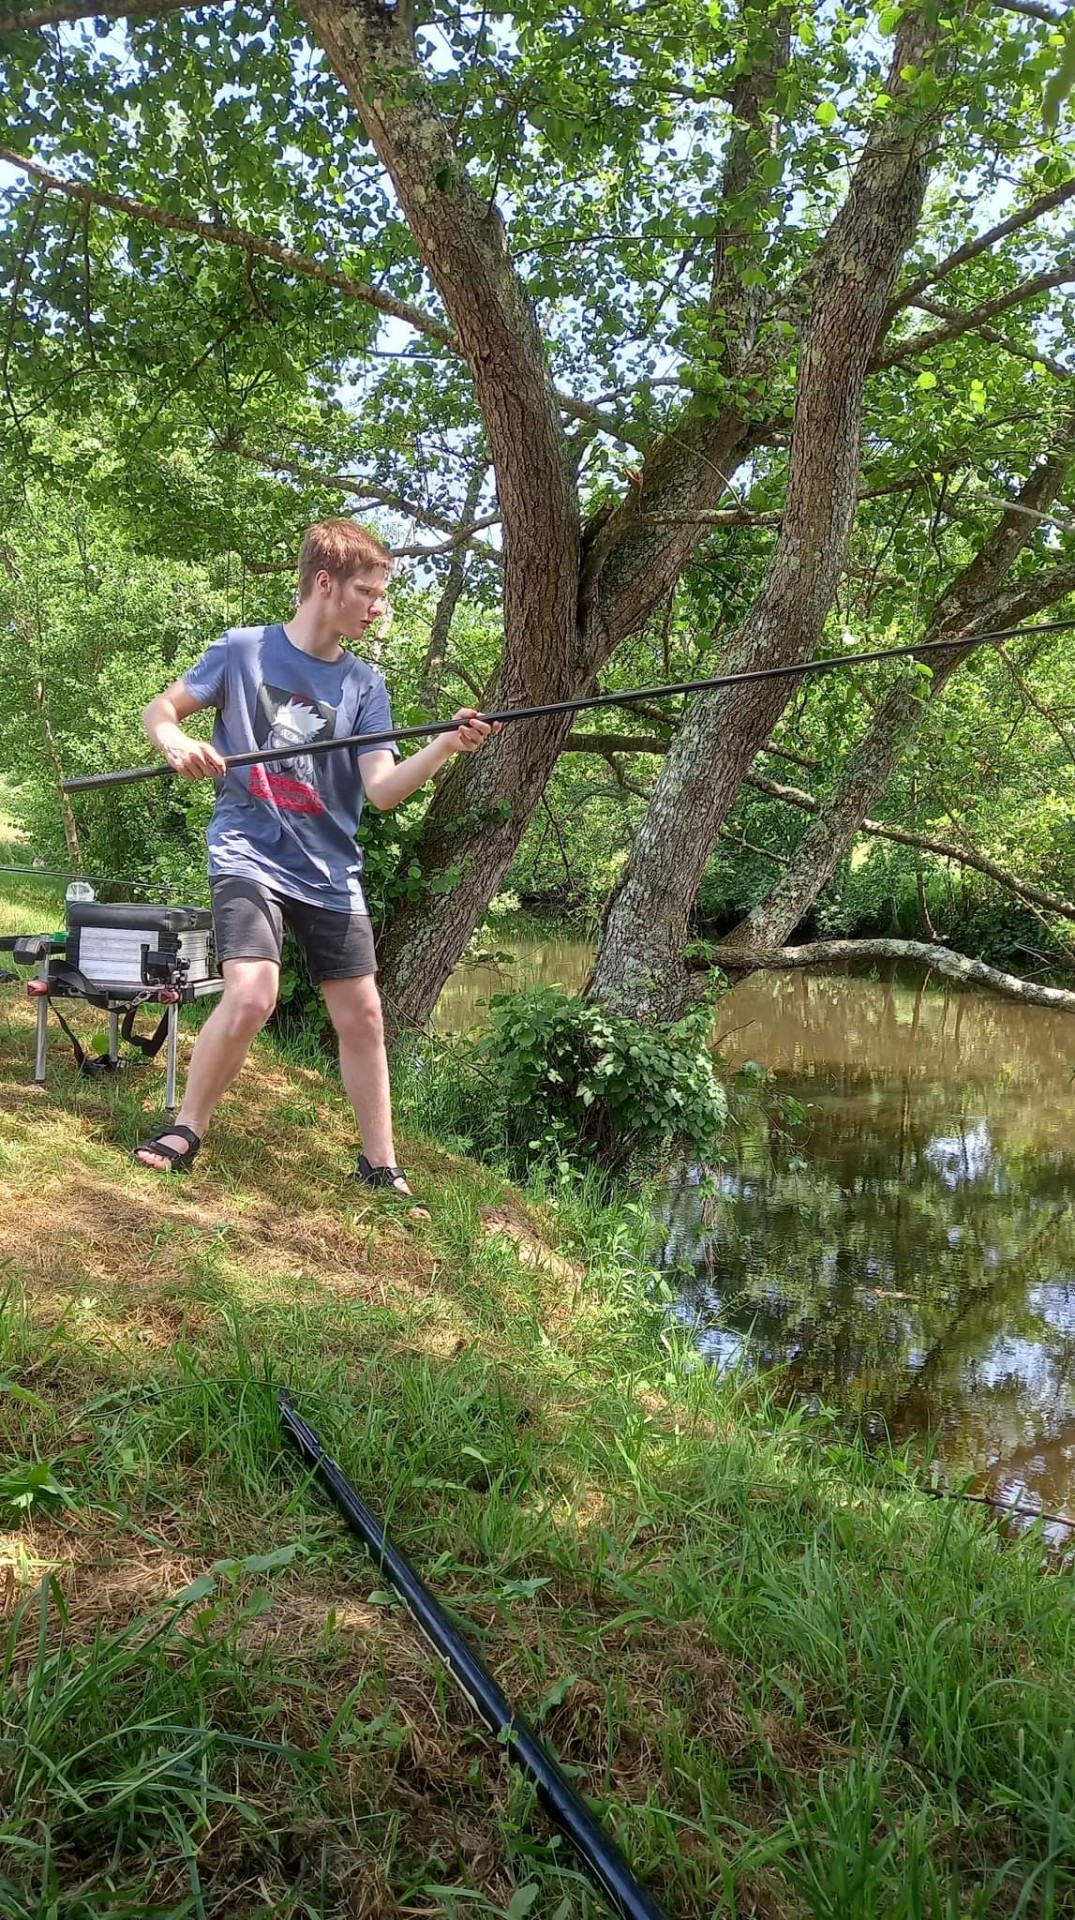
471, 731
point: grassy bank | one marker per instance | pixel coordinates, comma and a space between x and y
791, 1685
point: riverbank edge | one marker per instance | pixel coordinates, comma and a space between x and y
790, 1683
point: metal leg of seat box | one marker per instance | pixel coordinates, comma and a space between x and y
42, 1029
172, 1057
113, 1034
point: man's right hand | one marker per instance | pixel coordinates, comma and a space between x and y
194, 759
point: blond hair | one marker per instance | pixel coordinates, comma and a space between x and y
339, 547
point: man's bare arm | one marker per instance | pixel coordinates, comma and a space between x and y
388, 781
195, 759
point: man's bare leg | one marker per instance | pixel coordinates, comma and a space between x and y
249, 996
355, 1010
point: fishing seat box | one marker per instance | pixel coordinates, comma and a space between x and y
126, 949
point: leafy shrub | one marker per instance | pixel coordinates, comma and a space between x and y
566, 1082
878, 896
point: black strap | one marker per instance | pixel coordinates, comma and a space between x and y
185, 1133
173, 1154
84, 1062
378, 1176
149, 1046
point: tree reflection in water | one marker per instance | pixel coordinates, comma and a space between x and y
908, 1251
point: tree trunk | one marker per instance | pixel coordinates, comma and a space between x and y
973, 602
431, 677
639, 970
623, 569
481, 808
70, 828
828, 953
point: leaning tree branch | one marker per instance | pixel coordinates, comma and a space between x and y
1039, 706
604, 743
381, 497
462, 537
220, 234
1033, 11
1036, 210
962, 323
217, 233
943, 849
36, 17
995, 338
1025, 890
956, 506
748, 517
827, 953
763, 853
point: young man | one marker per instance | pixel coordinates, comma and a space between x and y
282, 849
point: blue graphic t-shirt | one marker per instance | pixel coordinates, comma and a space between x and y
290, 824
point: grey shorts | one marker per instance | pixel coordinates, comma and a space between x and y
249, 920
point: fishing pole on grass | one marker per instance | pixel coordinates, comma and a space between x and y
82, 782
600, 1855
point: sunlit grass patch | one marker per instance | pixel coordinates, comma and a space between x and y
790, 1684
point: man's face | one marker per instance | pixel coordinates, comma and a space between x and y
356, 602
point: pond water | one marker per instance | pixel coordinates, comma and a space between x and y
904, 1246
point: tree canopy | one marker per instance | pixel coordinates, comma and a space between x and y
559, 297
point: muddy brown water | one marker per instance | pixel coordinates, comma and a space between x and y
894, 1220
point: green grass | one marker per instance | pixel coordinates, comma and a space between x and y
789, 1683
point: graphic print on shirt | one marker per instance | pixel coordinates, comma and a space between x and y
285, 719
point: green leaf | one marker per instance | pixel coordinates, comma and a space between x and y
22, 1394
825, 114
522, 1900
25, 1484
198, 1590
926, 381
1060, 83
260, 1562
557, 1693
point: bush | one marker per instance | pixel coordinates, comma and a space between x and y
877, 895
559, 1080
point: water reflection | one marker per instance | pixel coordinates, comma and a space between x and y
520, 963
907, 1249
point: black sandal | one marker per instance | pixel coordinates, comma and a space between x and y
180, 1162
385, 1179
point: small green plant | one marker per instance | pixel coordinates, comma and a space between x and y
574, 1082
26, 1485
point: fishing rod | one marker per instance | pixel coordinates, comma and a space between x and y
97, 879
599, 1854
82, 782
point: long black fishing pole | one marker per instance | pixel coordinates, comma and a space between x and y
365, 740
599, 1854
98, 879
